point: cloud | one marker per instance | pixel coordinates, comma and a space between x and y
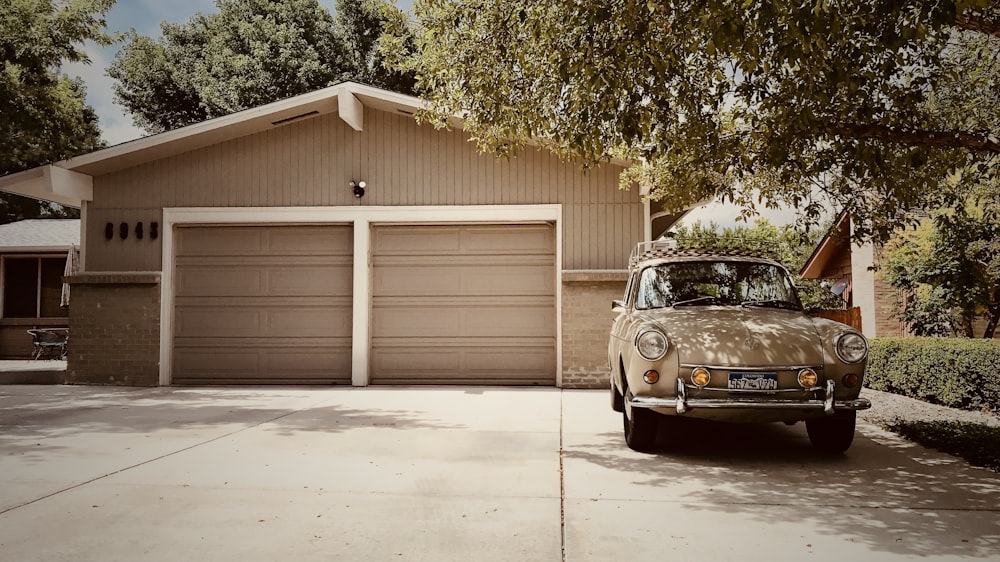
725, 216
116, 124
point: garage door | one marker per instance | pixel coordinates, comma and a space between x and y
469, 304
262, 304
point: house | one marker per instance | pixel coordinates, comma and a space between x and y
332, 239
837, 259
33, 256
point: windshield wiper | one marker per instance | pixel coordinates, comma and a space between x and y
694, 300
776, 303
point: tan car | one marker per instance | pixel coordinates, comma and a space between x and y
719, 336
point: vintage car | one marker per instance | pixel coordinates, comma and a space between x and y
719, 335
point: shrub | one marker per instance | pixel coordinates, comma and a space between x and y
955, 372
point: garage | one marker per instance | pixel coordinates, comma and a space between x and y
258, 304
463, 304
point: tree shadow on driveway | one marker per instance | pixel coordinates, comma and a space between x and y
884, 493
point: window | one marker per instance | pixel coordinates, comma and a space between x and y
715, 283
32, 287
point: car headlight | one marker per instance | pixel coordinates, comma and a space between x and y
651, 344
851, 347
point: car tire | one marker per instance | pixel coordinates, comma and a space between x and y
641, 426
617, 400
832, 434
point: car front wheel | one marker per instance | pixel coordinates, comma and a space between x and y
832, 434
640, 427
617, 400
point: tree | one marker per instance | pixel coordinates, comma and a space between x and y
782, 243
249, 53
944, 269
361, 24
43, 114
799, 104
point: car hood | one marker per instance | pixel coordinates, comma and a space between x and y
736, 336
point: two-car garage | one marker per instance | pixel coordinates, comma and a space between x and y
443, 303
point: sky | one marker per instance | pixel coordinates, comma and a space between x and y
145, 17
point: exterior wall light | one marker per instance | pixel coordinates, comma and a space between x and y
358, 187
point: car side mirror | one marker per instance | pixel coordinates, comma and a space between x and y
618, 306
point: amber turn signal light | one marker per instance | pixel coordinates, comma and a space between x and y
651, 377
850, 381
701, 376
808, 378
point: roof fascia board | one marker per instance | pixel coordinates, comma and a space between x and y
54, 250
51, 183
209, 132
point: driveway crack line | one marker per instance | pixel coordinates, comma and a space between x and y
148, 461
562, 481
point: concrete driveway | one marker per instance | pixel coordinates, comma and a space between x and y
91, 473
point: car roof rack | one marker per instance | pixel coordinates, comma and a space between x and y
666, 248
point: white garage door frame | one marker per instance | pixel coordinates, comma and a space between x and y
361, 218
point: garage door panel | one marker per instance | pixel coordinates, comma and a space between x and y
308, 241
416, 240
225, 241
470, 304
263, 365
465, 365
290, 322
263, 304
463, 280
262, 279
499, 239
408, 321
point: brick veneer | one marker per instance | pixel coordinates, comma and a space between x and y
586, 324
114, 324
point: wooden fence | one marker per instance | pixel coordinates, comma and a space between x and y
850, 316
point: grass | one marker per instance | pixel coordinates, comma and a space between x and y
977, 443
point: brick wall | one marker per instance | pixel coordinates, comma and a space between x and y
114, 329
586, 325
887, 297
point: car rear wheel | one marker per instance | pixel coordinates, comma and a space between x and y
832, 434
640, 426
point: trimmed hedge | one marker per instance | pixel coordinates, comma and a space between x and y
955, 372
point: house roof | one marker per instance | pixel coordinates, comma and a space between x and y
836, 241
70, 182
39, 235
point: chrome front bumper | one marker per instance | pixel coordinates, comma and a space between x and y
682, 403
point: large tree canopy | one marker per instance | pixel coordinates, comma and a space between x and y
249, 53
859, 104
43, 114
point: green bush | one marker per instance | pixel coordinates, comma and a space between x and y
955, 372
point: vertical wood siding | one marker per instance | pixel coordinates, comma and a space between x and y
310, 162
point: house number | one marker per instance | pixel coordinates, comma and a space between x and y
123, 230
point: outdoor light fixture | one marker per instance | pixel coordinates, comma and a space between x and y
358, 187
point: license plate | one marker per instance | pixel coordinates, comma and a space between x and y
758, 382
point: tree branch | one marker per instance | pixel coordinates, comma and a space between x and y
978, 142
975, 20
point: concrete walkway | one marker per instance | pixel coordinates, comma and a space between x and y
390, 473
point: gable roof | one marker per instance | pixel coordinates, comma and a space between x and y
70, 182
39, 235
836, 241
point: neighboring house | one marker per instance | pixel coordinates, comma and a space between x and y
244, 249
33, 257
836, 258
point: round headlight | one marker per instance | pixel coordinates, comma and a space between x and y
851, 347
651, 344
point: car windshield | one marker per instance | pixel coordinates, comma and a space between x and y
701, 283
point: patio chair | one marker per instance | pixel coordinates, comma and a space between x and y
49, 343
